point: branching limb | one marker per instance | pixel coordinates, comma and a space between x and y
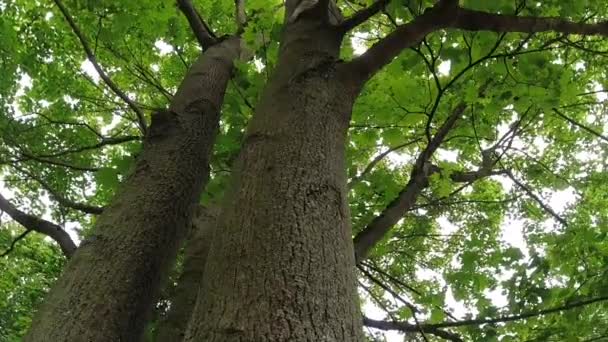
447, 14
403, 37
26, 156
62, 200
201, 30
537, 199
381, 224
105, 141
363, 15
102, 74
471, 20
407, 327
412, 328
33, 223
525, 315
580, 125
15, 241
376, 160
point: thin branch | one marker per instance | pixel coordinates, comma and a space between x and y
33, 223
403, 37
14, 243
410, 306
64, 201
407, 327
28, 156
240, 15
107, 80
472, 20
446, 14
105, 141
537, 199
201, 30
363, 15
580, 125
381, 224
378, 159
525, 315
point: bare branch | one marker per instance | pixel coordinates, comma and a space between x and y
33, 223
201, 30
363, 15
107, 80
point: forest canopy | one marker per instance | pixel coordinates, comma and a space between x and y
476, 157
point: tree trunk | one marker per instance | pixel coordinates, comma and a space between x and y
172, 326
110, 284
281, 267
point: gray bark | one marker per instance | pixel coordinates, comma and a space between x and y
281, 267
172, 326
109, 286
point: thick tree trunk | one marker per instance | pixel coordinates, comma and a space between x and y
281, 267
110, 284
172, 326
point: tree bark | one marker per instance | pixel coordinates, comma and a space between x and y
172, 326
107, 289
281, 267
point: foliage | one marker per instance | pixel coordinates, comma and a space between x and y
528, 239
33, 266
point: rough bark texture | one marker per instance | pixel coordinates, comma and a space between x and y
281, 265
172, 326
110, 284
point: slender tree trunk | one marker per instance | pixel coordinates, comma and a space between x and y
281, 267
111, 282
172, 326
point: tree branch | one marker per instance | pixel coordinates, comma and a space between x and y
107, 80
240, 15
381, 224
33, 223
525, 315
407, 327
64, 201
580, 125
363, 15
105, 141
472, 20
403, 37
14, 243
447, 14
537, 199
201, 30
376, 160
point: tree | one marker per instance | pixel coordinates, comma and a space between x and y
482, 107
